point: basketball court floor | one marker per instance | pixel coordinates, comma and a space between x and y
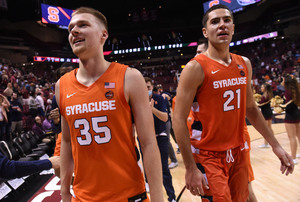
269, 184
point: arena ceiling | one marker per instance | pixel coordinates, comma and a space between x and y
133, 15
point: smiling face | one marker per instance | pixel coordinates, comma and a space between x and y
87, 34
219, 27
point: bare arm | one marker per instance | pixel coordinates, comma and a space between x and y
163, 116
66, 159
190, 79
262, 104
257, 120
137, 96
5, 102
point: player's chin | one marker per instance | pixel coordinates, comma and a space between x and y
77, 51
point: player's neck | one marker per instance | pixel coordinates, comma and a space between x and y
221, 55
90, 70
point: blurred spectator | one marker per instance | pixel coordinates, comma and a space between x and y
32, 105
8, 91
38, 128
4, 104
47, 123
16, 115
40, 102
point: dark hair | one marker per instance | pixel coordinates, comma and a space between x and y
202, 41
147, 79
67, 64
292, 85
215, 7
93, 12
269, 90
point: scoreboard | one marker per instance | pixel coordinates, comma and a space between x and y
56, 15
233, 5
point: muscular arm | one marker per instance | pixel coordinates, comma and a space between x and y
190, 79
67, 164
137, 96
257, 120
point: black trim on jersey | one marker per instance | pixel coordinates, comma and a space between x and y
137, 198
197, 125
201, 168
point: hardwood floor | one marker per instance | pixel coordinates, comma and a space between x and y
269, 184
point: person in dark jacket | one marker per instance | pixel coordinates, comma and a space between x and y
16, 169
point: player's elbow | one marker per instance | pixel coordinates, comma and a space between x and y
165, 117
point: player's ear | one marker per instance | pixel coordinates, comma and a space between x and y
233, 29
104, 35
204, 31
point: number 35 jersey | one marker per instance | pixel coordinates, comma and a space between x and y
103, 145
222, 104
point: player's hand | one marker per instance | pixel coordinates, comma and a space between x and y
55, 116
55, 160
287, 164
195, 181
151, 103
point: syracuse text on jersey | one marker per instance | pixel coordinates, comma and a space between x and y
91, 107
230, 82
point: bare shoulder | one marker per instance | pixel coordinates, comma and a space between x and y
132, 74
57, 92
134, 83
192, 73
246, 60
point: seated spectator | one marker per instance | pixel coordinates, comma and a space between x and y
47, 123
37, 128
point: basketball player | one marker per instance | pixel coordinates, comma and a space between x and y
201, 48
97, 102
221, 82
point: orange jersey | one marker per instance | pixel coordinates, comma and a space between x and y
222, 104
103, 145
190, 118
57, 145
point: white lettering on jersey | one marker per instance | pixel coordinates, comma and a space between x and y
230, 82
91, 107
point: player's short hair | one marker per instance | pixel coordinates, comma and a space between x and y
203, 41
93, 12
215, 7
67, 64
147, 79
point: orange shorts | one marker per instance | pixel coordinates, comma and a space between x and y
250, 170
227, 174
247, 147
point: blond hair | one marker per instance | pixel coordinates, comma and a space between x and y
93, 12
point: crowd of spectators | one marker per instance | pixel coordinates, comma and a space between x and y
26, 97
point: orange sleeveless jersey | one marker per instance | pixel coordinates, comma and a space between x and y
103, 147
57, 145
222, 104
